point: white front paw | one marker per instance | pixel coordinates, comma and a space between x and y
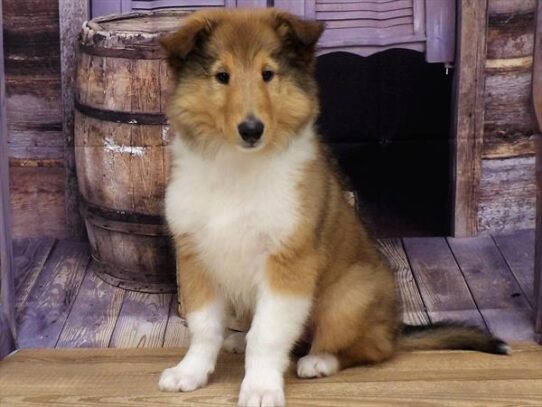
235, 343
264, 389
179, 378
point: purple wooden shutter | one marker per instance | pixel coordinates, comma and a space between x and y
368, 26
195, 4
105, 7
294, 7
189, 4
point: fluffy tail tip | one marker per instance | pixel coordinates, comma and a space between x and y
494, 345
450, 335
502, 348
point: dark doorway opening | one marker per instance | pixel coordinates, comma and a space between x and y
387, 119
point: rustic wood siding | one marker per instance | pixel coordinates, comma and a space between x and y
34, 108
507, 185
509, 122
7, 266
507, 195
33, 79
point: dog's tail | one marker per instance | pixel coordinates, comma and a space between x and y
448, 335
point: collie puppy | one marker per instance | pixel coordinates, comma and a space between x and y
259, 219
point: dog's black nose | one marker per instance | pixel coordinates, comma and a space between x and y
250, 130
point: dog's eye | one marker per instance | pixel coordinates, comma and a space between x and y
223, 77
267, 75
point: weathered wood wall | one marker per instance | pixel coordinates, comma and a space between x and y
7, 267
507, 184
34, 109
37, 146
537, 104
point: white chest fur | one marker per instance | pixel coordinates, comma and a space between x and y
238, 209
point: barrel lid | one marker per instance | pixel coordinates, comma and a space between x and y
132, 35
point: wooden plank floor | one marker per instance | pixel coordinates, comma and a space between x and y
484, 280
128, 377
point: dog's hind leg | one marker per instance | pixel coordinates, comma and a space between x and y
235, 342
350, 326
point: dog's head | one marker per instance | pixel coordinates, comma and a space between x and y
244, 78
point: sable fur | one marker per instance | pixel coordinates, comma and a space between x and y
315, 250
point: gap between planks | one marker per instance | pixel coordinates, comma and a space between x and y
517, 250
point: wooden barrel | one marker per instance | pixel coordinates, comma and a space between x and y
121, 135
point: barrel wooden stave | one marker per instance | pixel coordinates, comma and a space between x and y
122, 166
120, 84
129, 252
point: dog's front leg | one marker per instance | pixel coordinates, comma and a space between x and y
281, 312
205, 312
206, 332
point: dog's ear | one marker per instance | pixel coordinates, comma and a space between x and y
299, 35
191, 36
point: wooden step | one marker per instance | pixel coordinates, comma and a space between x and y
129, 377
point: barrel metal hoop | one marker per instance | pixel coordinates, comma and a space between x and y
121, 117
119, 277
144, 51
123, 221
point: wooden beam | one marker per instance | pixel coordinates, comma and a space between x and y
537, 100
72, 14
469, 113
537, 67
7, 274
538, 244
